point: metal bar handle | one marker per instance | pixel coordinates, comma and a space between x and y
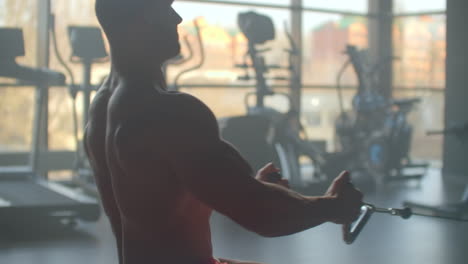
351, 233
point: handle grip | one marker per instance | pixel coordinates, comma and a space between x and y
350, 234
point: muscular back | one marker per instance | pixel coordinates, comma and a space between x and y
95, 134
151, 212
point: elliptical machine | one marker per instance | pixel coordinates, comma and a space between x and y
253, 134
377, 130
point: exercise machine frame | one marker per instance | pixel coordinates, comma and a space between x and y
24, 194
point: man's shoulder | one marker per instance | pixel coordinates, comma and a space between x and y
174, 113
170, 107
185, 101
190, 119
192, 111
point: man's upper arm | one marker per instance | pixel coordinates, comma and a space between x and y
210, 168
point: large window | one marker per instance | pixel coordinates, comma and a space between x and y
327, 27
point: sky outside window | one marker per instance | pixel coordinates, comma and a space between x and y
341, 5
405, 6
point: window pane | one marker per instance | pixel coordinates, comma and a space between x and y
428, 115
405, 6
225, 46
342, 5
420, 44
320, 110
16, 103
325, 39
17, 111
61, 125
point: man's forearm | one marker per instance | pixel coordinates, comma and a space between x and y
287, 212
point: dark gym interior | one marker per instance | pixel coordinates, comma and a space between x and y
374, 87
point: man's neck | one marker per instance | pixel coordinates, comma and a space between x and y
130, 60
138, 77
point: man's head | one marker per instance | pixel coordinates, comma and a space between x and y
146, 27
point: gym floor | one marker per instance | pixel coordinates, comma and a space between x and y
385, 239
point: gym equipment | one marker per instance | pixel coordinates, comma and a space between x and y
377, 129
24, 194
456, 210
350, 234
278, 136
13, 47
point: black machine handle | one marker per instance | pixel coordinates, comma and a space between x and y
30, 74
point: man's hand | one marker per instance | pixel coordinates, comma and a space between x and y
268, 173
348, 199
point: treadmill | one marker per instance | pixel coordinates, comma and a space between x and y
25, 196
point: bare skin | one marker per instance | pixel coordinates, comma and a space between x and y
161, 167
95, 135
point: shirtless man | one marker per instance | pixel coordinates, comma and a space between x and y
160, 164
